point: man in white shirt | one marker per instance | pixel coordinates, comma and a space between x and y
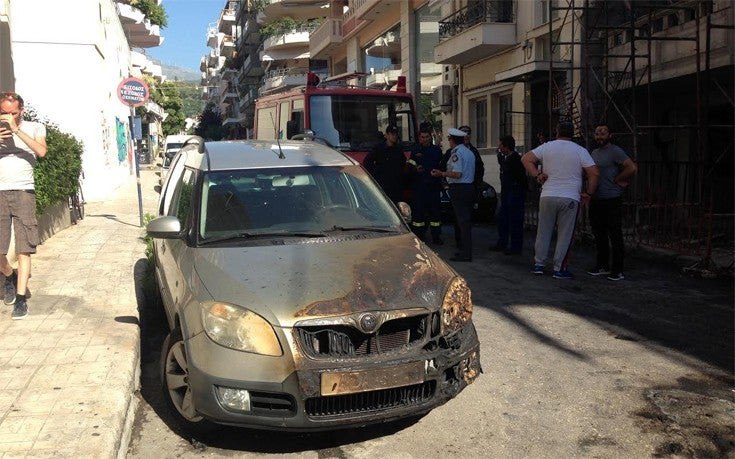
18, 196
565, 164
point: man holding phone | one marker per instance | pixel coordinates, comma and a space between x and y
18, 196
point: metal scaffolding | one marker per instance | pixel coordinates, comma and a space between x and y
606, 75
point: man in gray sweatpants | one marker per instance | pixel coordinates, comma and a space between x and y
565, 164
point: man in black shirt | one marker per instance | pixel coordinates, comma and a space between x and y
387, 164
513, 183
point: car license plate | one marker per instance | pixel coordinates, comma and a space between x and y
350, 382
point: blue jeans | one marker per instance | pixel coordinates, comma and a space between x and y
510, 219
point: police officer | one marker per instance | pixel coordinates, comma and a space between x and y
460, 175
426, 189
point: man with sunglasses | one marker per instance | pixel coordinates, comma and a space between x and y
17, 197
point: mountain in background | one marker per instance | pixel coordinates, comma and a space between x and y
177, 73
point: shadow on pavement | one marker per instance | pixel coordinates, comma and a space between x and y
656, 303
113, 218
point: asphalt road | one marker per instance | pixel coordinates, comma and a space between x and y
584, 367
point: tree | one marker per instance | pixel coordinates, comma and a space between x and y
175, 122
210, 123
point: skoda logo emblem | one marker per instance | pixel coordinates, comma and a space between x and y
368, 322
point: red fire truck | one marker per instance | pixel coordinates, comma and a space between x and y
351, 119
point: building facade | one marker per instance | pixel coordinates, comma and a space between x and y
46, 63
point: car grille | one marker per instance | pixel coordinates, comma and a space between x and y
348, 341
366, 402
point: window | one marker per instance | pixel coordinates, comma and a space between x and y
168, 187
266, 123
479, 121
426, 37
284, 115
351, 122
182, 195
384, 53
291, 200
505, 108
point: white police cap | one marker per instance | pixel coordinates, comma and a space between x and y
456, 132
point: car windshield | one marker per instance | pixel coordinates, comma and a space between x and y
357, 123
301, 202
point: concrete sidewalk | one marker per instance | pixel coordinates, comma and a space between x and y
68, 371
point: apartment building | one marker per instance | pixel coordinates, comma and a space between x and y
382, 40
221, 67
519, 67
285, 30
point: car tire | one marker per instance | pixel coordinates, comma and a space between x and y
175, 385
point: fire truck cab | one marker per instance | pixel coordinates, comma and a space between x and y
351, 119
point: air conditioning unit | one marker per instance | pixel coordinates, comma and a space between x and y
449, 74
441, 99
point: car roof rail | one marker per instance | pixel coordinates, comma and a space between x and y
199, 141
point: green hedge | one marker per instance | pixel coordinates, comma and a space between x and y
57, 173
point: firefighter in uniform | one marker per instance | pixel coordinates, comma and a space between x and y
426, 198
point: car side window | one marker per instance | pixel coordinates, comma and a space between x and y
171, 181
182, 196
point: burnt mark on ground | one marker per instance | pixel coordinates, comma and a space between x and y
695, 417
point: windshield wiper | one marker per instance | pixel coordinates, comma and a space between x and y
374, 229
233, 237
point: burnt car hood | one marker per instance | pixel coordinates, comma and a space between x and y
296, 281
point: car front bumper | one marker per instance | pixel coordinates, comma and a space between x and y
286, 392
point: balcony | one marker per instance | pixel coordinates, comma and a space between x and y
286, 78
296, 9
370, 10
326, 39
251, 67
476, 31
247, 100
228, 16
138, 29
385, 46
383, 78
289, 39
250, 34
213, 37
228, 46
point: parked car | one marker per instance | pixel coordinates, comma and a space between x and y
296, 295
485, 206
171, 146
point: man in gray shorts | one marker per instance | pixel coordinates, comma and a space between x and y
565, 164
18, 197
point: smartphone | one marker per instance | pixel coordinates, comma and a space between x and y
9, 142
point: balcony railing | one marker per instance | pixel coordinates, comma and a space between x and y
476, 13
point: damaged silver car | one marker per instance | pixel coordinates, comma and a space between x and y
296, 295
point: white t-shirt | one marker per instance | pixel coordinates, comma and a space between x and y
563, 161
16, 170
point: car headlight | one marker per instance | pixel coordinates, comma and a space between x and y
239, 328
457, 306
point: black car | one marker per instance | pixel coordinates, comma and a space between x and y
485, 205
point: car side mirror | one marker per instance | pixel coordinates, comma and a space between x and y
405, 210
168, 227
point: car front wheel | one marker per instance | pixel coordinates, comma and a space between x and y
176, 383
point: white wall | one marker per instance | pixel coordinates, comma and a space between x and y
68, 63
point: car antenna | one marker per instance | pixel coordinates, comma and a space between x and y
278, 141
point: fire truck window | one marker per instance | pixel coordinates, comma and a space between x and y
266, 123
284, 115
356, 123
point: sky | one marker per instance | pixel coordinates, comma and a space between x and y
185, 38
